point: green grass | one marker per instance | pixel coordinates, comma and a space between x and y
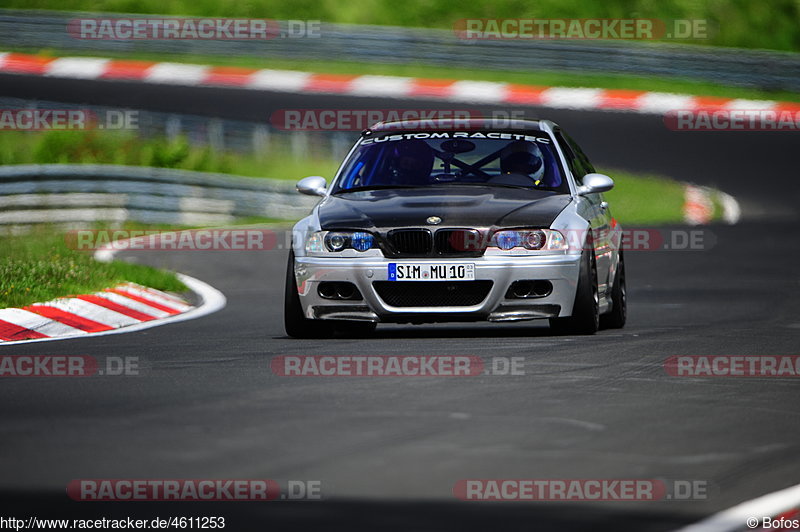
740, 23
39, 266
125, 148
530, 77
645, 200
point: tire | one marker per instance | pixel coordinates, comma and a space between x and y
585, 317
619, 300
294, 322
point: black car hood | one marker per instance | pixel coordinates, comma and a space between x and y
465, 206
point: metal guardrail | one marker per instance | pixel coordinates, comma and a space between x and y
63, 193
751, 68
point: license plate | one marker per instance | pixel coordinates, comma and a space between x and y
403, 271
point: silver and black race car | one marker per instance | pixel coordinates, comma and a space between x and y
471, 221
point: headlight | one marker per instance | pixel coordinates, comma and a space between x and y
362, 241
315, 243
531, 239
335, 241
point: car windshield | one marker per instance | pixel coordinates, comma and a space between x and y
453, 158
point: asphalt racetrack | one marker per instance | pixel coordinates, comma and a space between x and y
388, 451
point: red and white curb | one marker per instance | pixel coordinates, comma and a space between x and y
487, 92
121, 306
125, 308
699, 205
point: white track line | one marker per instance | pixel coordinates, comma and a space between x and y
735, 518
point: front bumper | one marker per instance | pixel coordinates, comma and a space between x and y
561, 270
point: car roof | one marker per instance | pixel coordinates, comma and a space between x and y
448, 124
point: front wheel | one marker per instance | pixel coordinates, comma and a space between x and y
294, 322
585, 317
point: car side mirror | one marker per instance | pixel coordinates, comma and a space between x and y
312, 186
595, 183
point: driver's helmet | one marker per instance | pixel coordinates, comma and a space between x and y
522, 157
412, 162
